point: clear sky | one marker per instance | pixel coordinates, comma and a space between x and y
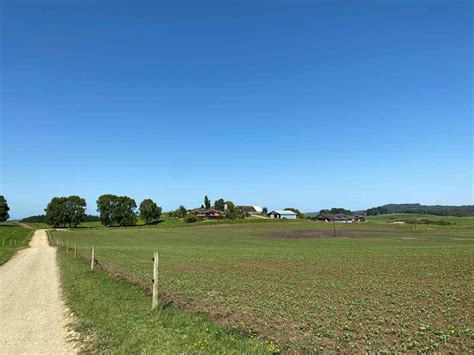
281, 104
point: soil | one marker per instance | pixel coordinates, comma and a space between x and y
33, 316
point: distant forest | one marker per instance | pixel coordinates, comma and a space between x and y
42, 219
438, 210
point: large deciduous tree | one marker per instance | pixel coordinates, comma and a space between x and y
219, 204
105, 206
56, 212
4, 209
76, 210
149, 211
116, 210
66, 211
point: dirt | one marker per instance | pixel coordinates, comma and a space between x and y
33, 316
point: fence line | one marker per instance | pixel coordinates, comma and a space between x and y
93, 261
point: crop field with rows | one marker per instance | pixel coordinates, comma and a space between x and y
374, 287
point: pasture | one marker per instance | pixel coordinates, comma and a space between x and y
12, 238
373, 287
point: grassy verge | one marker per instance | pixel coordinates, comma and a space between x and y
12, 238
115, 317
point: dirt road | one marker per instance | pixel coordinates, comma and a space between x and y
32, 315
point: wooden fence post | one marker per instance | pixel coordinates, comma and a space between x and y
3, 243
154, 300
93, 258
67, 246
75, 250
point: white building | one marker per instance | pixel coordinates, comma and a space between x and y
251, 209
282, 214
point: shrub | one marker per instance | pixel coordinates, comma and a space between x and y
190, 218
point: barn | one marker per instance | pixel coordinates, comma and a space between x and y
282, 214
332, 217
251, 209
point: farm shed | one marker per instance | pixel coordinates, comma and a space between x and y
359, 218
251, 209
330, 217
282, 214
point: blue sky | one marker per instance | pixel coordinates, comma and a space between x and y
282, 104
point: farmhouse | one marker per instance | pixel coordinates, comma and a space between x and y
209, 214
282, 214
251, 209
332, 217
359, 218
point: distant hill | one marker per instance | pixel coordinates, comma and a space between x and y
438, 210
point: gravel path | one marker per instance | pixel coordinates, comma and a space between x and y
32, 315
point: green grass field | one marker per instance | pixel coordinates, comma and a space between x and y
375, 287
12, 238
454, 221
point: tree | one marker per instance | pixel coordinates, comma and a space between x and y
376, 211
124, 212
105, 206
233, 212
4, 209
149, 211
230, 205
191, 218
56, 212
207, 202
66, 211
75, 210
336, 211
181, 212
264, 210
116, 210
295, 210
219, 204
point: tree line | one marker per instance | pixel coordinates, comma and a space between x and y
375, 211
438, 210
113, 210
336, 210
41, 218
